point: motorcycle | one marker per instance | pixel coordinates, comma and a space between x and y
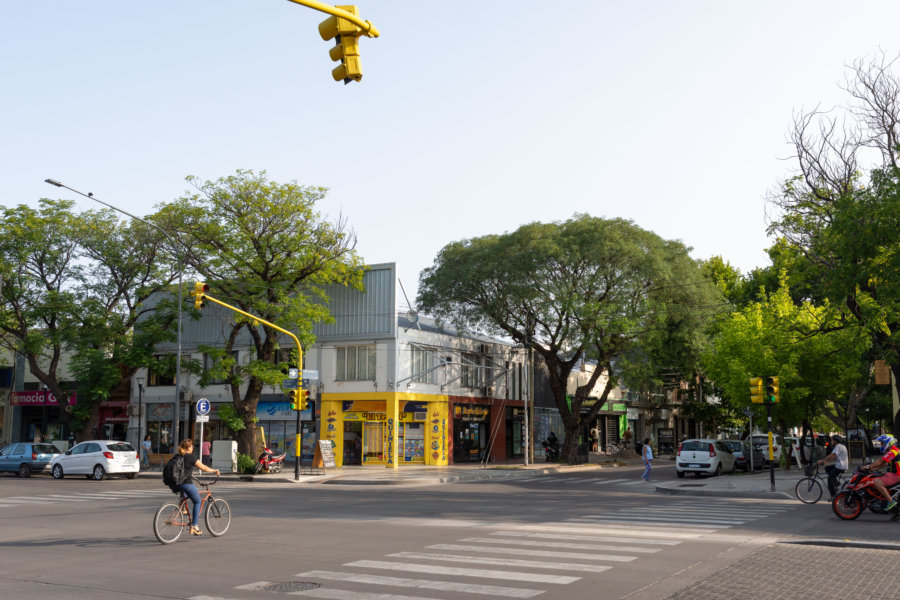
270, 460
860, 493
551, 449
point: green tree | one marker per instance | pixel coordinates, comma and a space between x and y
583, 288
263, 248
74, 284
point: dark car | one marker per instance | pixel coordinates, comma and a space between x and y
26, 458
741, 451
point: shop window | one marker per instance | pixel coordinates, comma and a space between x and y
356, 363
422, 364
470, 371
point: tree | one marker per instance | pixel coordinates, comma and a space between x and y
263, 248
586, 287
74, 284
846, 225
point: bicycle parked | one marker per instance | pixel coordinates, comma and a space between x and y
615, 448
809, 489
171, 519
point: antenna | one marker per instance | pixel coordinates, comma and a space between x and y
411, 314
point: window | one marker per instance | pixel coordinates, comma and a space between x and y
421, 365
209, 363
470, 372
163, 372
356, 363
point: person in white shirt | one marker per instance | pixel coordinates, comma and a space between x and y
647, 458
841, 463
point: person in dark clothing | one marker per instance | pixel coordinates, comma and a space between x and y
187, 487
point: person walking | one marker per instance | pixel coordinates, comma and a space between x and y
647, 459
145, 452
595, 439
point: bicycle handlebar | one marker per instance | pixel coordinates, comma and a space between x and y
205, 483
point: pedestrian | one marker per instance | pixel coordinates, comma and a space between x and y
647, 458
145, 452
841, 462
205, 453
626, 438
595, 439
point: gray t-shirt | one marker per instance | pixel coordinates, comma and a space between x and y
843, 461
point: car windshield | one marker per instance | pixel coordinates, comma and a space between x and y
735, 446
696, 446
120, 447
45, 449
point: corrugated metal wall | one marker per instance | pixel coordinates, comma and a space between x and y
368, 314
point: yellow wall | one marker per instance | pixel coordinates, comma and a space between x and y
437, 431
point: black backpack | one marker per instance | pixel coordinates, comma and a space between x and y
173, 472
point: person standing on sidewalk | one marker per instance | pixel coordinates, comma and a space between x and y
647, 458
841, 462
145, 452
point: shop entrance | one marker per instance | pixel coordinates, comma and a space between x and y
353, 442
470, 440
373, 442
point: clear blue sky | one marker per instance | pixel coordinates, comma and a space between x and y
473, 117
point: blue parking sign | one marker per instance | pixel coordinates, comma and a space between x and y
202, 406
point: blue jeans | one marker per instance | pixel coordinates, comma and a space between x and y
190, 490
646, 475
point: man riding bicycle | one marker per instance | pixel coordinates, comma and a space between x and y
890, 456
841, 462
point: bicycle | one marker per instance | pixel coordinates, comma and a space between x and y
172, 518
809, 489
615, 448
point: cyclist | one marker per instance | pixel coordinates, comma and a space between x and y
841, 462
186, 449
890, 455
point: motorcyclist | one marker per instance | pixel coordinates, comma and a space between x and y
890, 456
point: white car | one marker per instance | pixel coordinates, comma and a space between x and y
96, 459
762, 440
704, 456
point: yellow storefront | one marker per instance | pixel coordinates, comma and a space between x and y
386, 429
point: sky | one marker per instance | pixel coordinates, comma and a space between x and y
472, 117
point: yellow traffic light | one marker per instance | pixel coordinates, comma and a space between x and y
294, 396
773, 392
757, 393
346, 37
199, 294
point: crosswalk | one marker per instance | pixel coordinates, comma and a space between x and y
538, 481
106, 495
516, 560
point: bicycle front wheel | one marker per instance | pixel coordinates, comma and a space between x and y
808, 490
168, 522
218, 517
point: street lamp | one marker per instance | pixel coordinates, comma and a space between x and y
140, 382
180, 274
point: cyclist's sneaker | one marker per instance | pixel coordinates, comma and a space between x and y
891, 505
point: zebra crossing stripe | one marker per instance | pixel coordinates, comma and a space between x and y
618, 528
546, 544
27, 500
650, 521
333, 594
635, 482
461, 572
449, 586
603, 481
587, 538
671, 518
531, 552
506, 562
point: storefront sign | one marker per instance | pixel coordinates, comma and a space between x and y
38, 398
468, 412
280, 411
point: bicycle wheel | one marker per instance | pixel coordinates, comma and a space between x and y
168, 522
218, 517
808, 490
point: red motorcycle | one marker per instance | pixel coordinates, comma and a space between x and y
860, 493
270, 460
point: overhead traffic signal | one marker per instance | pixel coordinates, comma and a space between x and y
199, 294
773, 392
757, 393
346, 37
299, 399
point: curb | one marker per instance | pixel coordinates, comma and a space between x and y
844, 544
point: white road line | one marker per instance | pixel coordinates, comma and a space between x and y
587, 538
661, 522
635, 482
619, 528
670, 518
507, 562
461, 572
546, 544
725, 509
531, 552
25, 500
63, 498
449, 586
333, 594
612, 481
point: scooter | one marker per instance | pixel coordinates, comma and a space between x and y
270, 460
551, 450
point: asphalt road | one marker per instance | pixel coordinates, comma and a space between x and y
599, 534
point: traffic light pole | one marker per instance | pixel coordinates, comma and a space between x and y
258, 320
368, 29
771, 457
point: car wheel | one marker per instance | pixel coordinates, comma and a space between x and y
24, 470
718, 470
680, 474
98, 473
129, 476
57, 472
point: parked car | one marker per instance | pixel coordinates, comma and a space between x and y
704, 456
761, 440
97, 459
741, 449
817, 447
26, 458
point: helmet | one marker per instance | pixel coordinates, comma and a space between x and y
837, 439
886, 440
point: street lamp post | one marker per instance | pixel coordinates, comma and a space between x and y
140, 382
180, 274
